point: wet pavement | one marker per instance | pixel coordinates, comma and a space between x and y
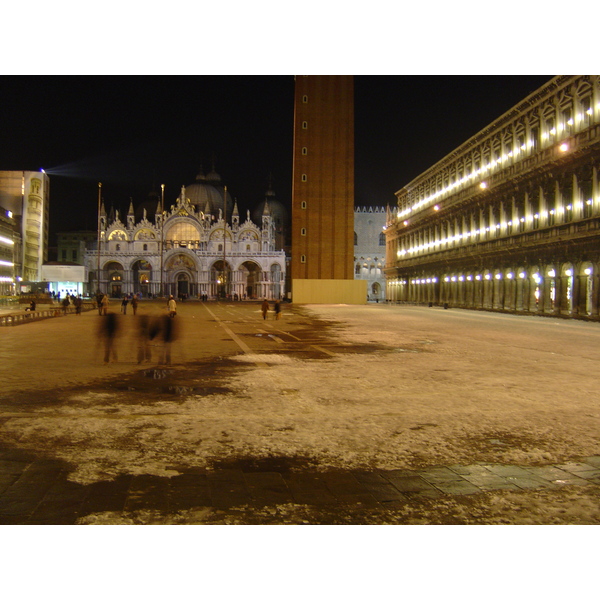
38, 492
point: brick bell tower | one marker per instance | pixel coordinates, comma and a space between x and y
322, 268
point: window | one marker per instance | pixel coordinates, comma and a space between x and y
303, 231
382, 239
303, 205
73, 255
304, 177
357, 269
355, 239
145, 247
304, 150
303, 258
118, 247
305, 99
304, 124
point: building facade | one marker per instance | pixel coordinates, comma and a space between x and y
369, 249
323, 190
510, 220
25, 195
9, 253
185, 251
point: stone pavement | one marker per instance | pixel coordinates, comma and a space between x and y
37, 491
35, 487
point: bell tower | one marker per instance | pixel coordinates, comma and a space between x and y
323, 192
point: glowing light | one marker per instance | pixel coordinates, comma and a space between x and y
6, 240
483, 185
551, 273
5, 263
588, 271
563, 147
568, 272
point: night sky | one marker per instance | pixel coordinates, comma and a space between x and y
133, 133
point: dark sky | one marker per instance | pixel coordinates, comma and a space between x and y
135, 132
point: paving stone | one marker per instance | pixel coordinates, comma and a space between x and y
61, 505
268, 488
528, 483
228, 488
148, 492
440, 474
486, 480
107, 496
576, 467
189, 491
23, 496
508, 470
549, 473
593, 460
586, 474
470, 470
308, 488
457, 487
410, 484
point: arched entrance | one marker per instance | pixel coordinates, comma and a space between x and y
142, 275
115, 275
251, 277
183, 286
220, 279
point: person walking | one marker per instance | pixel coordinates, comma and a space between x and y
104, 304
124, 305
65, 305
134, 304
172, 307
265, 308
277, 310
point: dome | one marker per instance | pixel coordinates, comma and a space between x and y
279, 213
209, 189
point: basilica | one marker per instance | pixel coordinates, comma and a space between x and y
198, 247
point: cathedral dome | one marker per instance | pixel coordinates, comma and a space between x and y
279, 213
150, 205
209, 189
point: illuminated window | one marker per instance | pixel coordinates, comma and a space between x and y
303, 258
303, 205
304, 177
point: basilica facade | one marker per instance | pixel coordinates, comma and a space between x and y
199, 247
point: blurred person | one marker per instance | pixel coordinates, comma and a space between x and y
134, 304
277, 310
169, 335
172, 307
105, 303
265, 308
109, 330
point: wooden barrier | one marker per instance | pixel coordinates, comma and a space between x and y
19, 318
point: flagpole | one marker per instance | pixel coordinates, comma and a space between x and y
162, 243
98, 253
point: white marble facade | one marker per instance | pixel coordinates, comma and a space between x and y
185, 251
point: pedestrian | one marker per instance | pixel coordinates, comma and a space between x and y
104, 304
124, 305
134, 304
168, 331
265, 308
78, 302
65, 304
172, 306
277, 310
109, 330
99, 297
146, 332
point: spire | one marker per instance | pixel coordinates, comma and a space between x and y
266, 210
131, 211
235, 209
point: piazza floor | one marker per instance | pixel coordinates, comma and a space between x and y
47, 361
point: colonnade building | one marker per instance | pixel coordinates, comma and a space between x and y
198, 247
510, 220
